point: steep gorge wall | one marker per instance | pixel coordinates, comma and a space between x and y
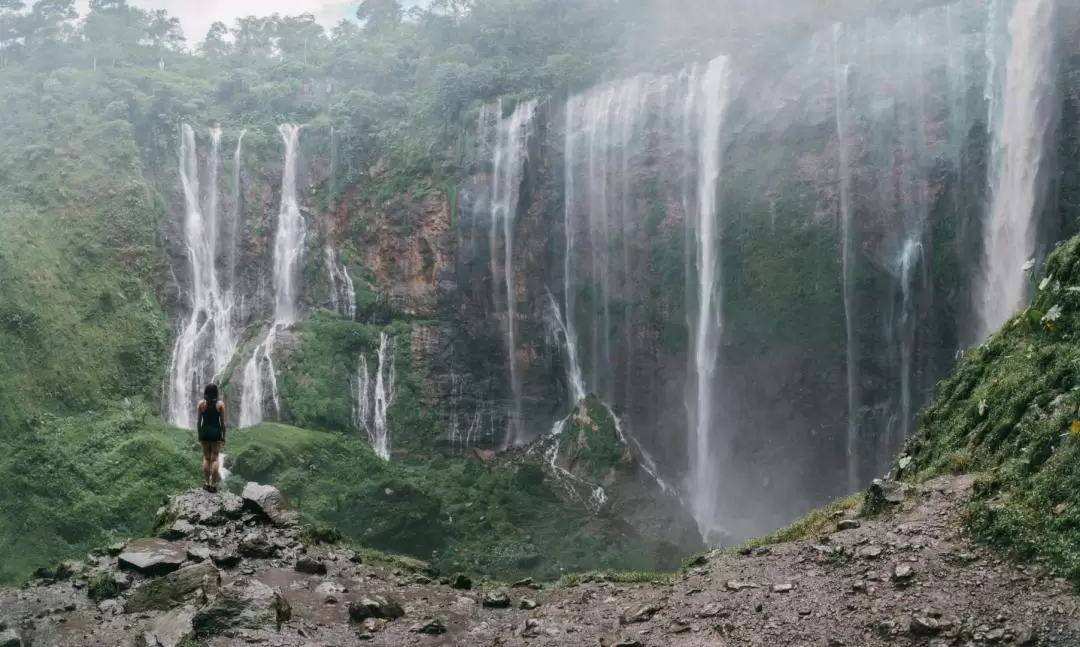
792, 391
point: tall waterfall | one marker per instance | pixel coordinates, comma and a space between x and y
206, 341
259, 371
610, 131
342, 292
1022, 169
908, 92
373, 401
508, 140
236, 215
708, 100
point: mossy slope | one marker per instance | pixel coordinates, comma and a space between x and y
1010, 412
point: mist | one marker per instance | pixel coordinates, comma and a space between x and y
671, 272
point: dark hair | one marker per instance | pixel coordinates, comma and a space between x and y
211, 392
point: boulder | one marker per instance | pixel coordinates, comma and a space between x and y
226, 559
198, 553
166, 592
256, 545
311, 566
180, 529
204, 509
242, 604
496, 600
639, 614
270, 503
153, 557
169, 630
375, 606
10, 638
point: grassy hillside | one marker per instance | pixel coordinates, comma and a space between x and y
1011, 412
497, 520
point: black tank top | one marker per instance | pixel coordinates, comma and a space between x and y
211, 417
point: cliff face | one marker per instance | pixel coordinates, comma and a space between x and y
565, 259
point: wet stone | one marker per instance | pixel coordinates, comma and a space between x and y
153, 557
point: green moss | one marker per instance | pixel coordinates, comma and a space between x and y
86, 481
501, 521
1007, 411
590, 446
817, 522
102, 587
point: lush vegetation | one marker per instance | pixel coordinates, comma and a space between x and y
92, 107
499, 520
1010, 413
590, 446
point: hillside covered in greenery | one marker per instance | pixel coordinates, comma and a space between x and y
93, 106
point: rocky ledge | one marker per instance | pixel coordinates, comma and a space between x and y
235, 570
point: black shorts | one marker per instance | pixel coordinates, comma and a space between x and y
210, 435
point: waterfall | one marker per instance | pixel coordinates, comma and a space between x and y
373, 401
847, 242
907, 94
291, 232
909, 261
508, 139
205, 343
288, 253
362, 411
609, 131
1022, 165
384, 395
704, 485
235, 216
342, 291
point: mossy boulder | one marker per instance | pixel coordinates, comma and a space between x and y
590, 446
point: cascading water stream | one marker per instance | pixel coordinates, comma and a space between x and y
235, 216
704, 486
362, 413
508, 139
206, 342
342, 291
288, 253
1029, 117
374, 400
384, 395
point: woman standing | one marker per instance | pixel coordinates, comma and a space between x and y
211, 428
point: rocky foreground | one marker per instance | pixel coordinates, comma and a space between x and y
231, 570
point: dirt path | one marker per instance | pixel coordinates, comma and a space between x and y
907, 580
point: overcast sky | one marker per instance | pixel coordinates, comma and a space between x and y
198, 15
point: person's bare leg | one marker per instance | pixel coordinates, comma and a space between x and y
207, 462
215, 460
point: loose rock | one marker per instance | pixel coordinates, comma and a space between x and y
255, 544
164, 593
431, 627
311, 566
376, 606
496, 600
639, 614
267, 501
153, 557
